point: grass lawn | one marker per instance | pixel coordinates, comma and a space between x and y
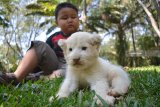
143, 92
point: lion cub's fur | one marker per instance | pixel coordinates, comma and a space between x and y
85, 67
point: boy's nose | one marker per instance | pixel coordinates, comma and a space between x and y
70, 19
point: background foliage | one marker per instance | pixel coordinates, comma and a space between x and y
127, 31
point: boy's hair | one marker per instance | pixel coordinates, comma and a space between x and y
64, 5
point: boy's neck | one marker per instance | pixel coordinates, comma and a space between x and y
66, 35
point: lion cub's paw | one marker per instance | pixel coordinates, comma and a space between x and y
110, 100
58, 96
113, 93
51, 99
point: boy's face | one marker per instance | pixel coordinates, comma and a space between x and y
68, 20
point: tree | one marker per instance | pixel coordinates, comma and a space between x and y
5, 8
153, 22
116, 19
20, 31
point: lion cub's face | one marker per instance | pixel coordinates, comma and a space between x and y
81, 48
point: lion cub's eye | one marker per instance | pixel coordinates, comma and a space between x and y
70, 49
84, 48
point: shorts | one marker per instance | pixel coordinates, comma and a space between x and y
47, 59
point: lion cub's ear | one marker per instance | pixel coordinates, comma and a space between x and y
62, 44
96, 40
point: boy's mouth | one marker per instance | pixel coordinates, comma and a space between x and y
70, 25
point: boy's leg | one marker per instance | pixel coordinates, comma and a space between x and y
39, 55
28, 63
46, 57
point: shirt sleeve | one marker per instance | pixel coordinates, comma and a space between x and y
49, 42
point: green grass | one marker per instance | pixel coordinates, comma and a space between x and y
143, 92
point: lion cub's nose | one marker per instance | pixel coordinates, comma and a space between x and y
76, 60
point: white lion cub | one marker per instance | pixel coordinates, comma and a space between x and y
85, 67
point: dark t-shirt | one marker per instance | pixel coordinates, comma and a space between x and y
52, 41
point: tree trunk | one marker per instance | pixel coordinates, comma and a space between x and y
153, 22
84, 15
134, 48
121, 46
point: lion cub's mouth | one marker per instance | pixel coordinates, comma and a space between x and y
77, 63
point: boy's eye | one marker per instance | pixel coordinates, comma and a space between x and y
64, 18
70, 49
73, 17
84, 48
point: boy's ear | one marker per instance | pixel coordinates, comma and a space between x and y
62, 44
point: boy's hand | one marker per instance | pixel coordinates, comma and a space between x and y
56, 74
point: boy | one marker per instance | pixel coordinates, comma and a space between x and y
48, 57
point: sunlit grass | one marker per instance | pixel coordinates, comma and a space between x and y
143, 92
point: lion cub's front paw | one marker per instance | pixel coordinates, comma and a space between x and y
51, 99
61, 95
58, 96
110, 100
113, 93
